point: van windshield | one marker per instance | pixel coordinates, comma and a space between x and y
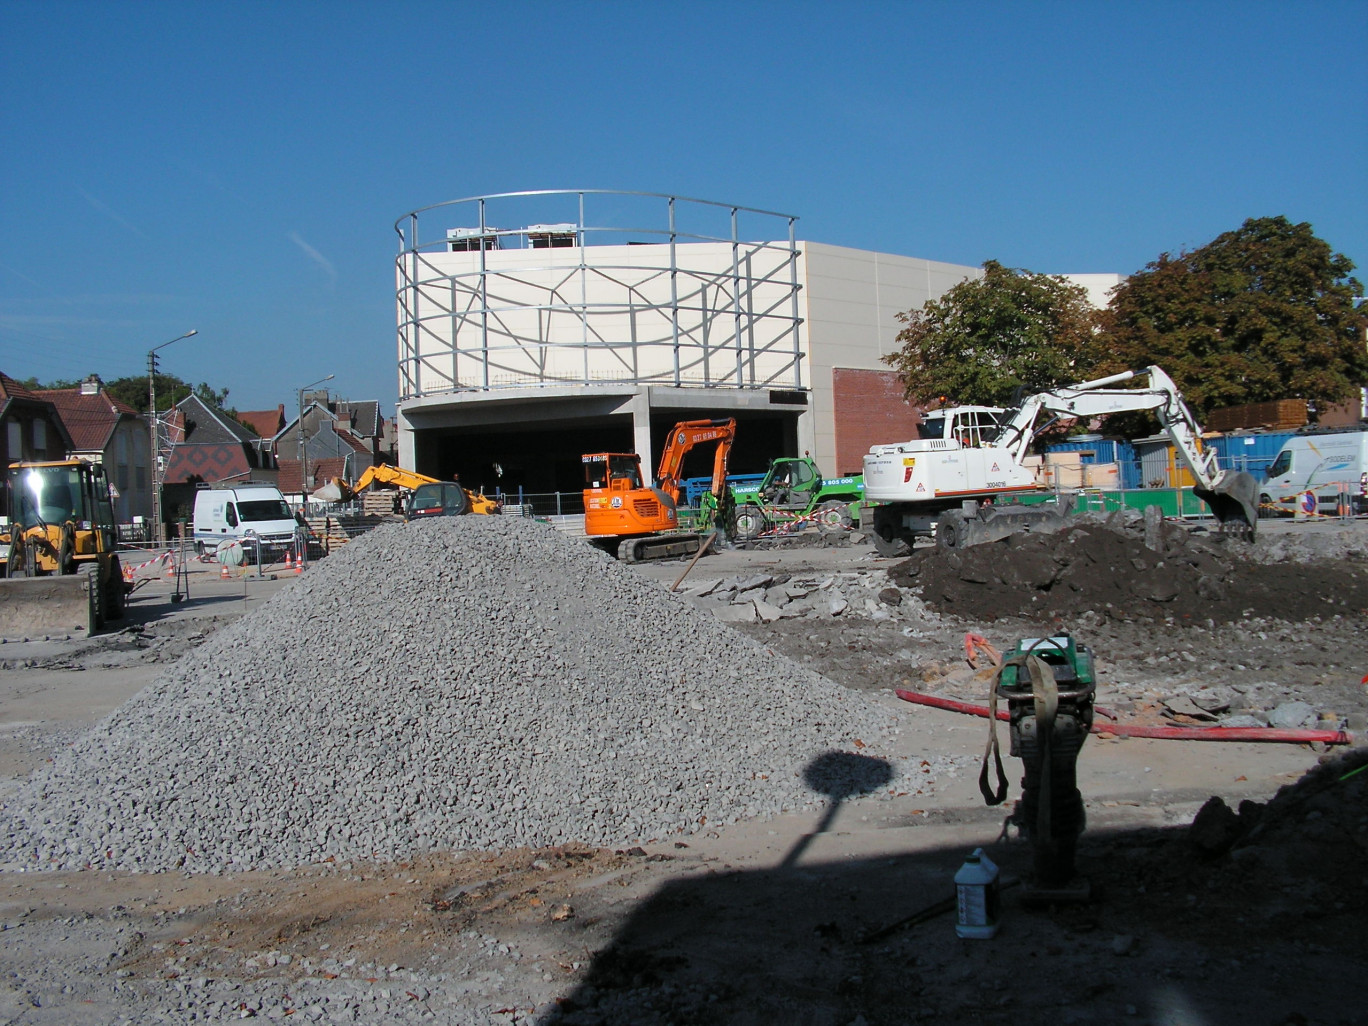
1281, 465
264, 509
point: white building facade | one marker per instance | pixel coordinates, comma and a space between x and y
533, 327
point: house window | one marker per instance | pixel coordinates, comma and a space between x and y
40, 438
16, 440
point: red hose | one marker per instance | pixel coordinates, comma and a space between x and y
1329, 737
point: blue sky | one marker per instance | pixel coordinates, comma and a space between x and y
237, 168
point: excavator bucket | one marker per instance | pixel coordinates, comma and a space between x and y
330, 492
1234, 501
44, 606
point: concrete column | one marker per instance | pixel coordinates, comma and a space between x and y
406, 444
807, 441
641, 431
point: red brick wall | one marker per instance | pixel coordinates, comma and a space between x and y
869, 409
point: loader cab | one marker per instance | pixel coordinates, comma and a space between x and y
63, 512
55, 493
790, 482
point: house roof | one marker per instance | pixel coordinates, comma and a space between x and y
321, 470
89, 419
206, 425
12, 392
362, 418
11, 389
266, 422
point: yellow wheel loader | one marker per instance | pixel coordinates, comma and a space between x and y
61, 570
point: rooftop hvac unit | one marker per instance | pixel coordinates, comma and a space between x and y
472, 240
551, 236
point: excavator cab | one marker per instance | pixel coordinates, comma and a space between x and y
616, 503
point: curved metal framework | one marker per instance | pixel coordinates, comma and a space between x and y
686, 301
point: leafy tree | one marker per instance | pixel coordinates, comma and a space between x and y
1264, 312
170, 390
988, 337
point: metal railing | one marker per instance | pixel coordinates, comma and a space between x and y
681, 296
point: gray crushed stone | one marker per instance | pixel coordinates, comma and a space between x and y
464, 683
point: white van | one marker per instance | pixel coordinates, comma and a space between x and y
1320, 464
231, 514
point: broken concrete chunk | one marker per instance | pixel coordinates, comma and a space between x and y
777, 597
1291, 715
736, 612
767, 612
1181, 705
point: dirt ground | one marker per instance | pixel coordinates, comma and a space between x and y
1254, 914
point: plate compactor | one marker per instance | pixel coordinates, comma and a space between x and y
1049, 686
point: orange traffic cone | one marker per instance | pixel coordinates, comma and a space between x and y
299, 565
223, 573
170, 568
289, 560
127, 575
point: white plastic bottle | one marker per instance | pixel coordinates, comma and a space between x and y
976, 897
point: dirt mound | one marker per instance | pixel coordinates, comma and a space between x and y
1107, 568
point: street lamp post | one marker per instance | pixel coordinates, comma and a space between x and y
154, 456
303, 452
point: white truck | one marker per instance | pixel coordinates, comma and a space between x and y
1329, 465
957, 484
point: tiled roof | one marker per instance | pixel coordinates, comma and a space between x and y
11, 389
357, 444
89, 419
266, 422
322, 471
208, 463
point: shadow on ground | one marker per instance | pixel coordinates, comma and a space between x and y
1257, 920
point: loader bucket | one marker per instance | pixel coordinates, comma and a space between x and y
1234, 501
43, 606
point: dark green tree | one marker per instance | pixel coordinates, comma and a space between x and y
170, 390
988, 337
1264, 312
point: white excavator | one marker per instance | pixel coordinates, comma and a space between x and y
958, 484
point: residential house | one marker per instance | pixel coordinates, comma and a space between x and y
30, 429
339, 439
109, 432
207, 446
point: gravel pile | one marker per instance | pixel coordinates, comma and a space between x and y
465, 683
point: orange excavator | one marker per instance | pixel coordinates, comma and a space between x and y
642, 522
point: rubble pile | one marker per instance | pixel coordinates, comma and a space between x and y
765, 598
454, 683
1107, 567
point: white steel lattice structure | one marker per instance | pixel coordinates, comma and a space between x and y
642, 289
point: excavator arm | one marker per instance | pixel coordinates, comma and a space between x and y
1232, 495
683, 438
338, 490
